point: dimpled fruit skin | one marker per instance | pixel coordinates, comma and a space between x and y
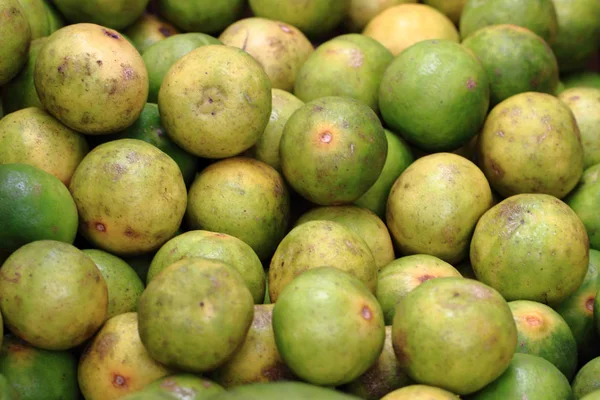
441, 70
456, 325
531, 247
82, 83
15, 35
215, 101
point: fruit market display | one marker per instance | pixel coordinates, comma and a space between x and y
299, 200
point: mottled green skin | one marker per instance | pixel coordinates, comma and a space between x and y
256, 209
20, 92
537, 231
279, 390
333, 150
515, 59
543, 332
266, 148
195, 314
205, 16
328, 327
578, 311
91, 79
585, 105
114, 14
34, 205
313, 17
586, 381
130, 196
384, 376
399, 157
442, 70
455, 325
584, 200
149, 129
361, 221
403, 275
38, 374
434, 205
349, 65
528, 377
315, 244
124, 286
530, 143
161, 56
578, 32
149, 29
37, 16
213, 246
582, 79
15, 35
45, 278
183, 387
215, 101
539, 16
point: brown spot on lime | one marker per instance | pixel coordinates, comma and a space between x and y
500, 133
426, 277
326, 137
201, 304
400, 342
589, 303
99, 62
471, 84
100, 227
110, 34
166, 31
497, 169
129, 232
128, 72
366, 313
574, 98
534, 320
105, 345
119, 381
285, 28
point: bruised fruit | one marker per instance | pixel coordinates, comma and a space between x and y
531, 247
214, 246
328, 327
91, 79
258, 359
530, 143
115, 14
215, 101
36, 374
435, 204
130, 196
206, 16
454, 333
15, 35
315, 244
34, 205
256, 209
281, 49
205, 307
333, 150
420, 392
45, 278
384, 376
182, 387
362, 222
149, 29
32, 136
403, 275
116, 362
124, 285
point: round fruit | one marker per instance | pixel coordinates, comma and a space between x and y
244, 198
333, 150
528, 377
182, 386
585, 105
282, 390
543, 332
404, 25
316, 244
328, 327
506, 71
201, 15
403, 275
584, 201
116, 362
420, 392
34, 205
50, 278
215, 101
539, 16
531, 247
116, 14
441, 70
348, 65
32, 136
586, 381
149, 29
15, 35
124, 285
36, 14
281, 49
130, 195
91, 79
455, 325
214, 246
195, 314
434, 205
530, 143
